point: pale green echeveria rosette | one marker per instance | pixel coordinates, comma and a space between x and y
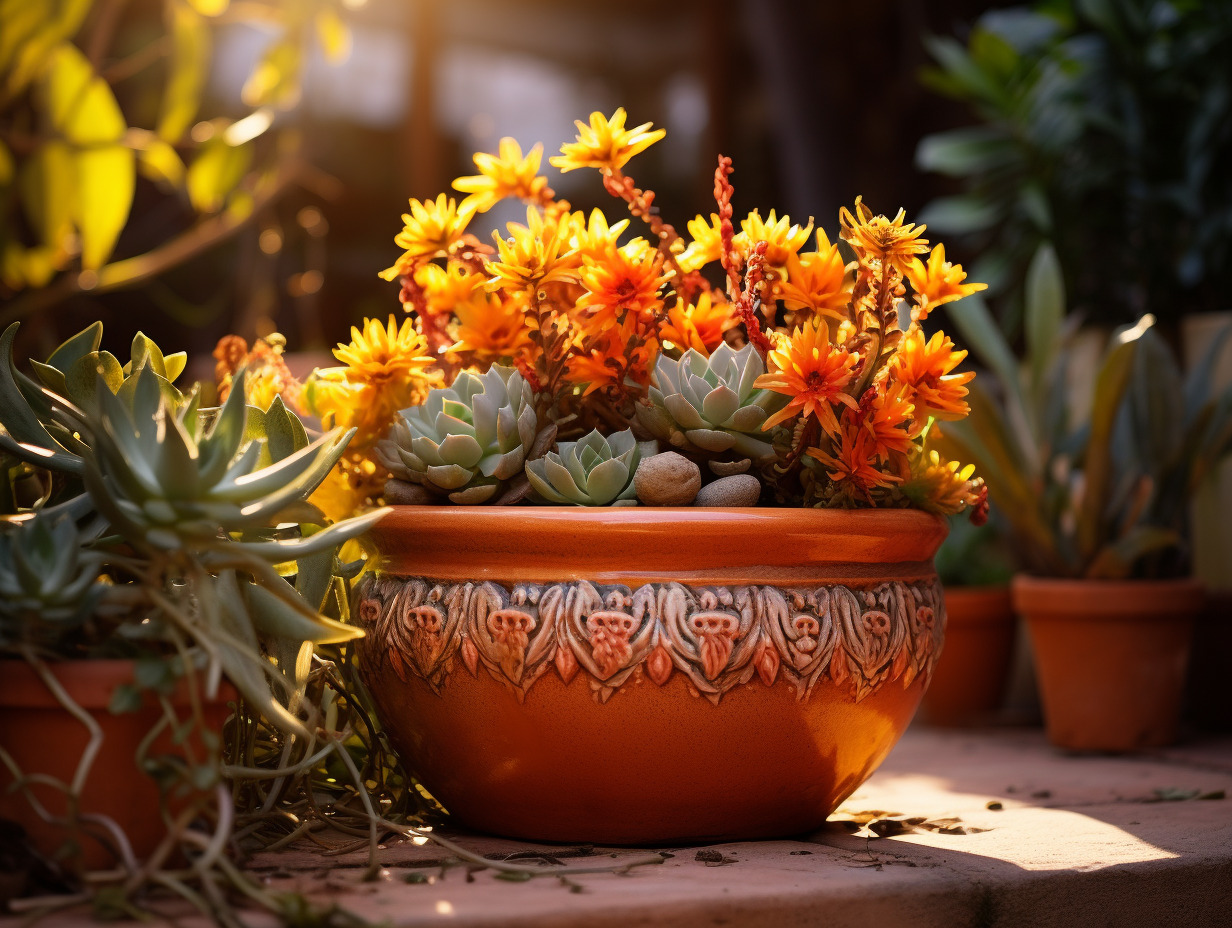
48, 580
466, 440
710, 405
594, 471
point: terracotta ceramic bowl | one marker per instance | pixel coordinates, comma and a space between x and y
640, 675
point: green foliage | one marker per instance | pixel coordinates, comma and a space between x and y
467, 440
1108, 496
709, 405
190, 511
1102, 127
594, 471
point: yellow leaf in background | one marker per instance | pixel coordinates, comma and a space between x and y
29, 267
106, 177
7, 168
82, 107
11, 270
29, 29
190, 60
275, 80
334, 36
215, 173
210, 7
48, 189
156, 160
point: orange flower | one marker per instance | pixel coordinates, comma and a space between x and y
492, 329
814, 373
699, 325
937, 282
622, 288
783, 238
605, 143
923, 368
881, 238
853, 462
817, 280
430, 230
446, 287
533, 255
602, 365
884, 419
594, 239
507, 174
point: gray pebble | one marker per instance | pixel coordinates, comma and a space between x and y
737, 490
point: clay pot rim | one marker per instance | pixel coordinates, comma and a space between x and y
627, 543
88, 681
1070, 599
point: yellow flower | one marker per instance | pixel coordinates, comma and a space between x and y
446, 287
507, 174
923, 368
595, 239
881, 238
622, 288
942, 486
782, 237
381, 356
886, 419
814, 373
853, 462
707, 244
817, 280
429, 230
937, 282
605, 143
350, 487
491, 329
532, 255
699, 325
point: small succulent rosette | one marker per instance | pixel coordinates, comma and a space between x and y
593, 471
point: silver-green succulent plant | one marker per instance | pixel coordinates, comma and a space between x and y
465, 441
48, 582
593, 471
710, 405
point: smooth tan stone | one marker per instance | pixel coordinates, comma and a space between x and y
736, 490
667, 479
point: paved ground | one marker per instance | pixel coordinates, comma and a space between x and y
990, 828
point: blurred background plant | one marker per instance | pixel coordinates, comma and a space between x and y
1103, 127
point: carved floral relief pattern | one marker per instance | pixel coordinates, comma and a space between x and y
717, 637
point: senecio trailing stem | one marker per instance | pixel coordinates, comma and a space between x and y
807, 368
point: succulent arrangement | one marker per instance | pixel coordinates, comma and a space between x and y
569, 356
1105, 494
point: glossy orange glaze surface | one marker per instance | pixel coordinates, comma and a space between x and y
656, 762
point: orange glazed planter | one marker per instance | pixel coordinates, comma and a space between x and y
969, 683
1110, 657
43, 738
644, 675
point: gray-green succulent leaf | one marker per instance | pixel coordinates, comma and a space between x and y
593, 471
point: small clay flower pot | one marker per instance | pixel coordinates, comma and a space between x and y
969, 683
43, 738
1110, 657
648, 675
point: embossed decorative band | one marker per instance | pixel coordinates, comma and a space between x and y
718, 637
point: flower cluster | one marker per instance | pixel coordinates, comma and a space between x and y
588, 312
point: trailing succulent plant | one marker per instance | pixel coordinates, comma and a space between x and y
711, 405
593, 471
197, 521
465, 441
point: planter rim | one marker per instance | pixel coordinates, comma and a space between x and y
89, 682
1043, 598
643, 543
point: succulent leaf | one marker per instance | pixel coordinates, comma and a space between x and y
593, 471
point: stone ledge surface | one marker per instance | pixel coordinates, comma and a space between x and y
1078, 840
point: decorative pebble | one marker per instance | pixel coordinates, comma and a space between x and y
667, 479
404, 493
730, 468
737, 490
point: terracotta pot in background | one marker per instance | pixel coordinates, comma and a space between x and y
969, 683
42, 737
646, 675
1111, 657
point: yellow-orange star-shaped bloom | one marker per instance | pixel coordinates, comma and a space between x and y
381, 355
492, 327
812, 372
706, 245
605, 143
506, 174
818, 281
699, 325
782, 237
595, 239
532, 255
881, 238
924, 369
942, 486
623, 286
887, 419
430, 230
854, 462
937, 282
446, 287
